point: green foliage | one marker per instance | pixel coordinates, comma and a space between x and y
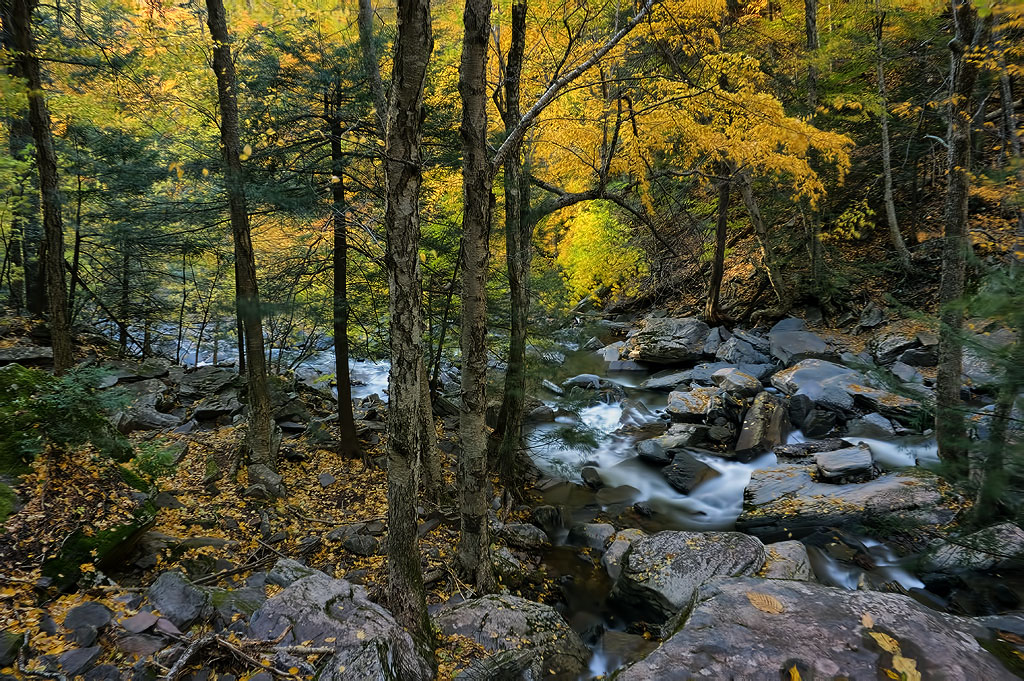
39, 410
6, 502
154, 459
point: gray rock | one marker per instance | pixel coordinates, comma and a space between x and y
213, 407
367, 641
596, 388
136, 624
737, 351
510, 570
686, 472
586, 381
10, 644
547, 518
920, 357
992, 548
788, 560
552, 387
89, 614
326, 479
802, 450
104, 672
654, 453
788, 324
906, 373
141, 645
227, 603
610, 353
362, 545
701, 374
591, 535
820, 631
616, 549
852, 464
146, 398
716, 337
823, 382
785, 501
886, 348
734, 381
682, 435
287, 571
668, 340
207, 380
26, 355
871, 425
756, 341
591, 477
819, 423
542, 643
76, 661
524, 536
764, 426
694, 405
593, 344
793, 346
661, 573
178, 599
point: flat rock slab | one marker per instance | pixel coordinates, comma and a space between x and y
786, 501
851, 463
660, 573
668, 340
746, 629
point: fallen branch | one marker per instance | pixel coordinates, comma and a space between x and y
190, 652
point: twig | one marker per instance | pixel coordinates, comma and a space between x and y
245, 657
190, 652
305, 650
268, 546
233, 571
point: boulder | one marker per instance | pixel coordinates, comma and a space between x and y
206, 381
86, 620
590, 535
668, 340
178, 599
524, 536
992, 548
888, 347
76, 661
786, 502
764, 426
654, 453
716, 337
694, 405
920, 357
738, 351
661, 573
852, 464
26, 355
906, 373
367, 641
615, 549
213, 407
793, 346
288, 571
686, 472
788, 560
681, 435
701, 374
594, 388
552, 387
802, 450
823, 382
734, 381
762, 629
533, 640
146, 398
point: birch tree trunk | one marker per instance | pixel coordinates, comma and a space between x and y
413, 44
474, 544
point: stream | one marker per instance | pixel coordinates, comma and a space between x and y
629, 483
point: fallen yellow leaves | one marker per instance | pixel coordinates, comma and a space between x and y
765, 603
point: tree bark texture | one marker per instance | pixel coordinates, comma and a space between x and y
474, 545
262, 436
811, 32
49, 186
746, 187
711, 311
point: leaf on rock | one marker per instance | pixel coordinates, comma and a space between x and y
765, 603
888, 643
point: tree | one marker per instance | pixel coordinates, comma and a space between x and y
474, 545
711, 310
263, 435
413, 45
949, 418
20, 15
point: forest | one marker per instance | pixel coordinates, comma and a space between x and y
511, 340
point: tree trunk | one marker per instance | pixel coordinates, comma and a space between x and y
746, 187
49, 185
348, 441
413, 44
262, 436
811, 30
890, 206
711, 311
519, 225
474, 545
949, 418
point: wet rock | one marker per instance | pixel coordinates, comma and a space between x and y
636, 415
591, 477
178, 599
76, 661
701, 374
992, 548
694, 405
668, 340
734, 381
524, 536
871, 425
616, 549
536, 642
737, 351
802, 450
820, 631
593, 386
786, 502
682, 435
764, 426
552, 387
547, 518
510, 570
920, 357
591, 535
622, 494
362, 545
788, 560
819, 423
654, 453
610, 352
661, 573
367, 641
823, 382
852, 464
686, 472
